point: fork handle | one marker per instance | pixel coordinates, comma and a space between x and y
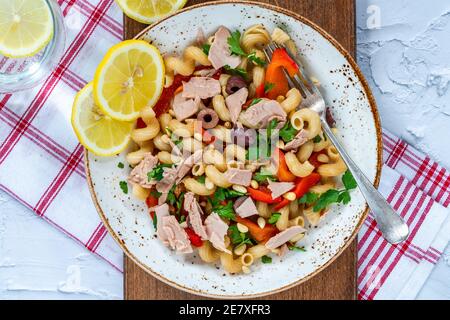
391, 225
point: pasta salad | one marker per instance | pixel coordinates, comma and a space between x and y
227, 161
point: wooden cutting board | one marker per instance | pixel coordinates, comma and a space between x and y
338, 281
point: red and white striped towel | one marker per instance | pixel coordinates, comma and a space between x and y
41, 166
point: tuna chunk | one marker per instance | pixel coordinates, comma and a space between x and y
261, 113
195, 215
216, 230
245, 207
161, 211
176, 237
280, 188
235, 101
139, 173
219, 53
239, 176
168, 180
201, 87
300, 138
187, 164
283, 237
184, 108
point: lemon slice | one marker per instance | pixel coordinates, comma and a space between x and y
26, 27
98, 133
149, 11
130, 77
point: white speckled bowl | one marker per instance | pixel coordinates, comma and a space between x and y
356, 116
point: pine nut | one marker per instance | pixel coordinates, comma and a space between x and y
261, 222
240, 249
227, 125
242, 228
239, 188
209, 184
323, 158
290, 196
246, 270
254, 184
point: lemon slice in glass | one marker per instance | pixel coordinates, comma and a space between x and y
97, 132
149, 11
26, 27
129, 78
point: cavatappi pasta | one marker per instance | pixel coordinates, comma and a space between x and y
233, 156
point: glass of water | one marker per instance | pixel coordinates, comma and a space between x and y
17, 74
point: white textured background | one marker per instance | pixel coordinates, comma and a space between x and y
407, 63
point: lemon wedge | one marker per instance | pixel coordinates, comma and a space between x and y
149, 11
98, 133
26, 27
129, 78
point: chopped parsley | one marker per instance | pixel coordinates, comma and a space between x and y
295, 248
206, 48
236, 71
201, 179
234, 42
120, 165
155, 193
255, 101
124, 186
157, 172
268, 86
288, 132
274, 218
317, 139
155, 221
171, 198
257, 60
308, 198
262, 176
225, 211
179, 203
238, 237
223, 194
266, 259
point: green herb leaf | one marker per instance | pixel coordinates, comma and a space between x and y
182, 219
201, 179
124, 186
349, 181
288, 132
268, 86
254, 58
317, 139
157, 172
238, 237
309, 198
179, 202
327, 198
255, 101
206, 48
295, 248
171, 198
344, 197
262, 176
155, 221
225, 211
266, 259
236, 72
234, 41
120, 165
155, 193
274, 218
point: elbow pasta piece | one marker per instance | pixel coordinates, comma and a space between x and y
257, 251
294, 209
322, 144
305, 151
292, 101
312, 217
186, 66
164, 120
243, 64
223, 79
222, 133
332, 153
139, 192
322, 188
208, 253
133, 158
299, 169
297, 238
297, 221
308, 120
168, 158
247, 259
279, 36
180, 129
332, 169
160, 144
255, 36
191, 145
198, 169
263, 209
258, 74
150, 131
229, 264
220, 108
214, 157
216, 176
197, 188
234, 151
283, 220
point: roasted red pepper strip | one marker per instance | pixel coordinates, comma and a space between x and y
275, 74
194, 238
263, 195
151, 202
283, 173
260, 235
302, 185
259, 92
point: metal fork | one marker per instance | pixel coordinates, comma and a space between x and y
391, 225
